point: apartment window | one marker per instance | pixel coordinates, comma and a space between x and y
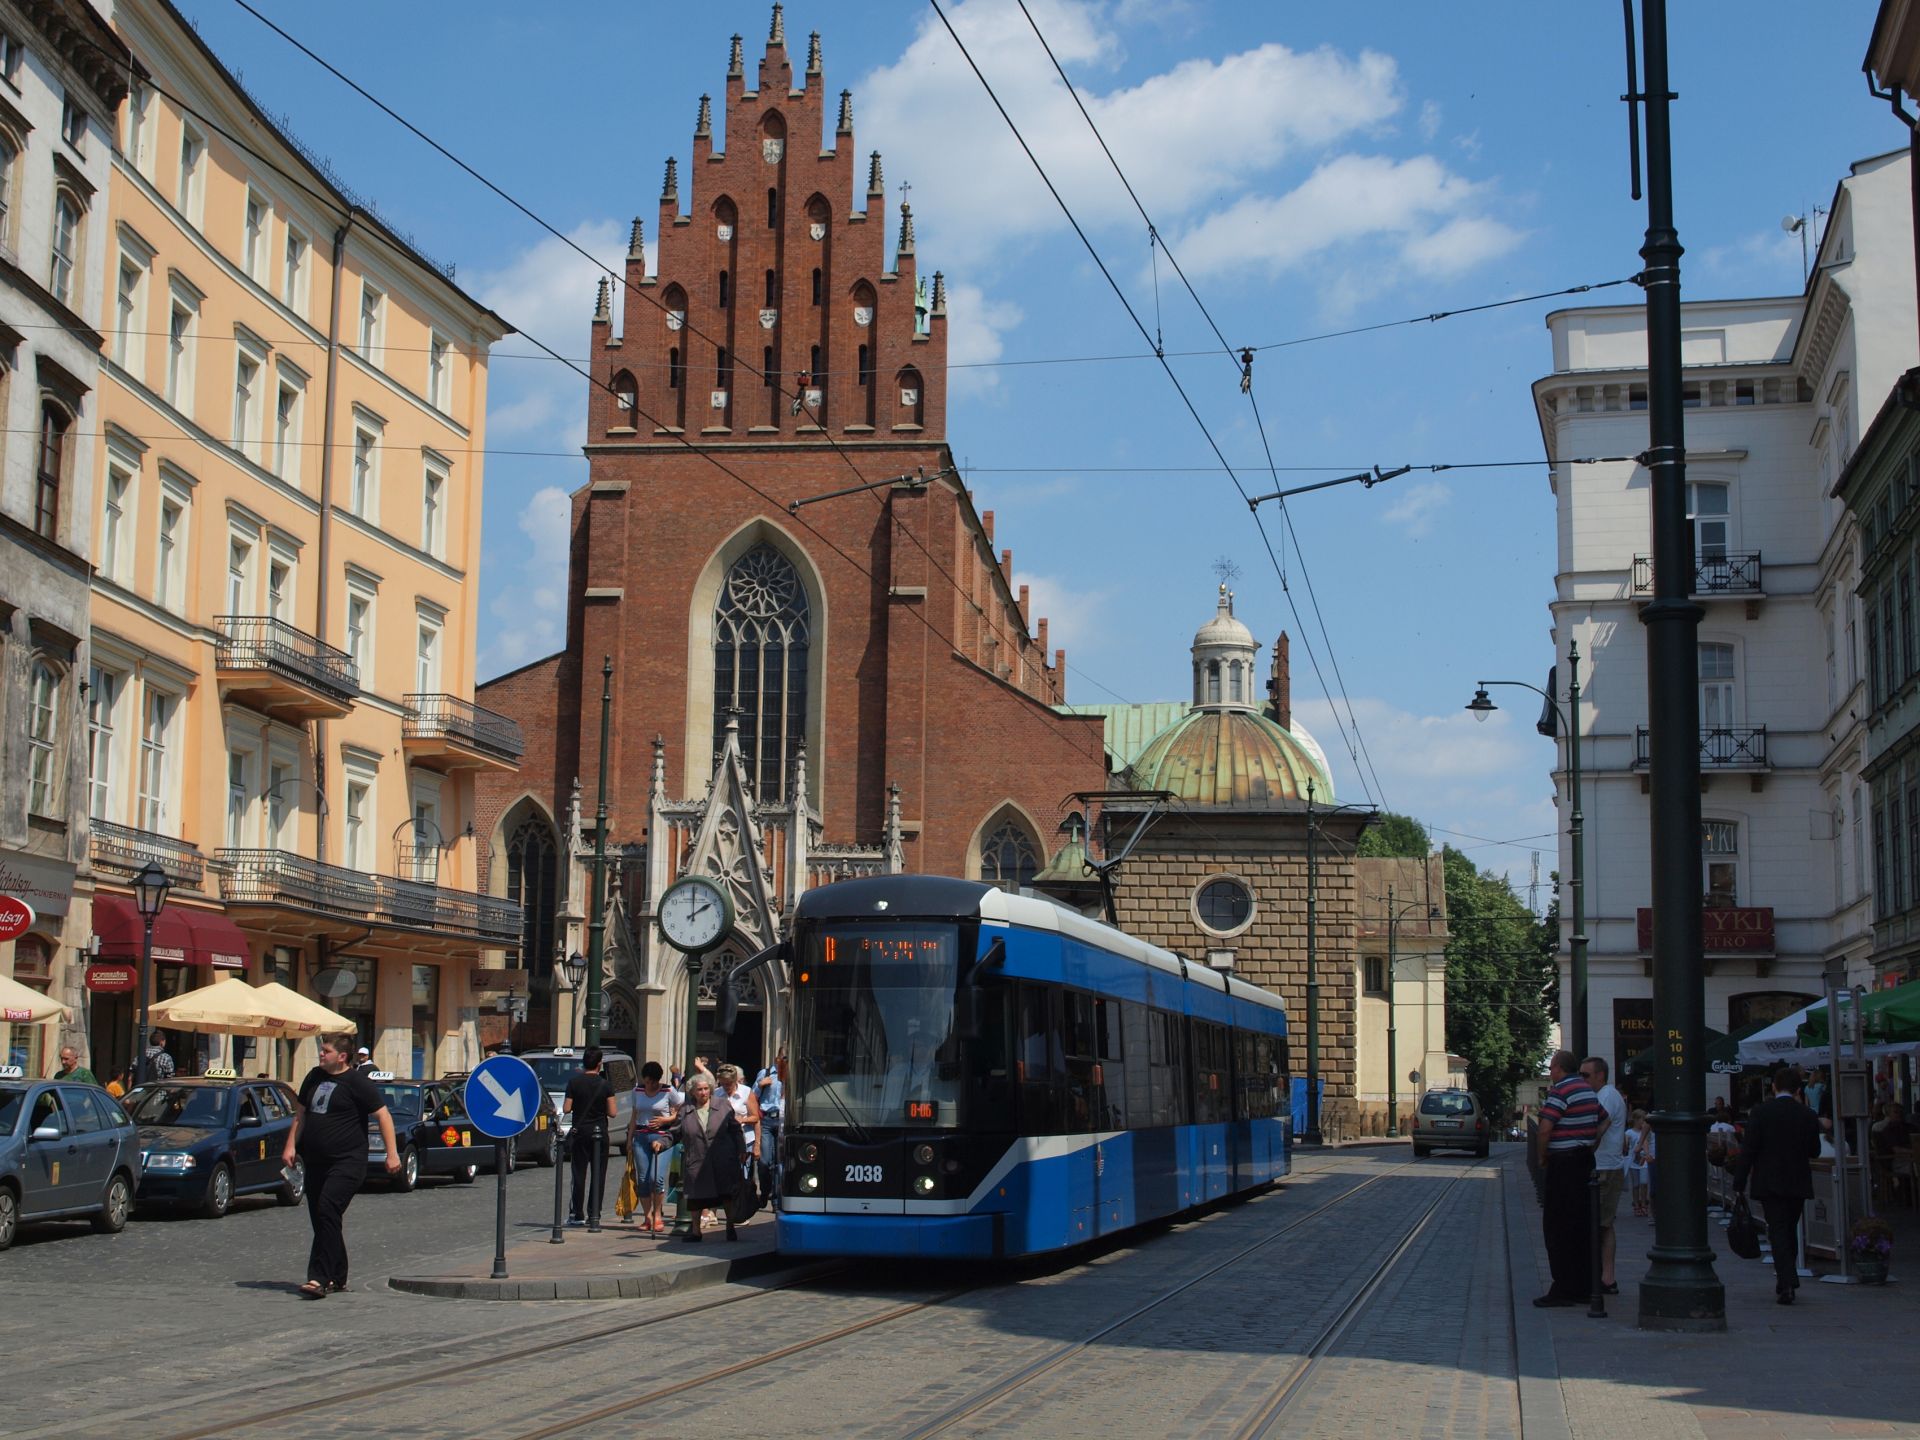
426, 668
1709, 507
365, 473
180, 322
280, 588
1896, 864
437, 376
43, 741
293, 271
1720, 851
11, 53
239, 577
156, 733
360, 632
371, 305
9, 154
1906, 619
127, 339
66, 247
116, 525
1716, 686
1880, 906
433, 501
103, 704
253, 241
246, 399
73, 123
286, 432
1890, 640
1859, 839
193, 154
358, 840
170, 561
50, 471
239, 766
1874, 692
139, 139
1374, 980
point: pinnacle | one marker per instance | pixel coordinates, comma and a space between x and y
875, 184
671, 189
906, 228
602, 307
845, 127
736, 61
813, 53
778, 34
703, 123
636, 243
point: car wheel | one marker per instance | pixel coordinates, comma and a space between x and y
295, 1190
9, 1216
219, 1192
464, 1175
115, 1207
408, 1175
550, 1152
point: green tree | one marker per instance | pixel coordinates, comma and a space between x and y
1500, 981
1395, 837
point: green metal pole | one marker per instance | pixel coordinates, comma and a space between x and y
1393, 1054
1576, 884
682, 1212
597, 926
1313, 1135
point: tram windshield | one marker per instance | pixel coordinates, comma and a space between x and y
875, 1027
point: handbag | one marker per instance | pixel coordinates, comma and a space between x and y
1743, 1232
744, 1201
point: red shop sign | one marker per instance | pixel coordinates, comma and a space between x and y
16, 918
1724, 929
106, 979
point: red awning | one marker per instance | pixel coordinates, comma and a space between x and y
180, 936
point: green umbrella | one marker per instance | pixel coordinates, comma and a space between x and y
1890, 1016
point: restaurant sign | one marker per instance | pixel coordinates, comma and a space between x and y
1724, 930
106, 978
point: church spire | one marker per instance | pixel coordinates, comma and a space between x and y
703, 124
939, 306
906, 228
670, 189
813, 53
602, 307
777, 35
637, 241
876, 185
845, 127
736, 59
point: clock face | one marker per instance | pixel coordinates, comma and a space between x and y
694, 914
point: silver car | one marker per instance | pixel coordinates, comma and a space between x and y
66, 1151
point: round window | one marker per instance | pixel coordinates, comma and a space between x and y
1224, 905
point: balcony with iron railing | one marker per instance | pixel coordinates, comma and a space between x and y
122, 852
1729, 575
281, 879
1722, 747
445, 732
284, 671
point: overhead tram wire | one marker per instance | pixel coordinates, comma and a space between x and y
1132, 315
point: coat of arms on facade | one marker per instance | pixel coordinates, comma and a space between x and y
718, 400
863, 315
909, 398
676, 319
813, 399
725, 232
772, 150
767, 317
818, 230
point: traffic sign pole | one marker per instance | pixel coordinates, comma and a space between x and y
502, 1098
499, 1211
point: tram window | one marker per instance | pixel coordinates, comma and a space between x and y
1138, 1049
1113, 1064
1042, 1088
1171, 1104
991, 1102
1086, 1092
1211, 1103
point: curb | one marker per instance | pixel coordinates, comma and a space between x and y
689, 1275
1543, 1406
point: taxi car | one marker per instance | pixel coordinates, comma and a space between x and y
558, 1064
540, 1142
1450, 1119
65, 1151
431, 1126
206, 1140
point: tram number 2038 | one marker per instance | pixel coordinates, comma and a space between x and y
864, 1175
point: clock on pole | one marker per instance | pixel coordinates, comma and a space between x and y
696, 914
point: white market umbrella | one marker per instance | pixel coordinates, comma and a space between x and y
22, 1005
1779, 1041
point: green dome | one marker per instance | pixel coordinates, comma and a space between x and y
1231, 757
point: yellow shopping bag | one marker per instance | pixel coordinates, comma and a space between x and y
628, 1200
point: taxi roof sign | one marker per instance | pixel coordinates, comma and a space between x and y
12, 1072
223, 1074
379, 1075
563, 1050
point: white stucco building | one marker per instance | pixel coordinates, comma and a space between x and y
1774, 390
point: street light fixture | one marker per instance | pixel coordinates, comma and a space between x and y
574, 968
1480, 707
569, 971
150, 889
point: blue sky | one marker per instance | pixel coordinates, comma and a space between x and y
1312, 167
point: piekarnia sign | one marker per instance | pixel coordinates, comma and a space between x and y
1724, 929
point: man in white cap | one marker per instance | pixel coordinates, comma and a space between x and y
363, 1059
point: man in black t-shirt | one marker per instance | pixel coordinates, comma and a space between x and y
590, 1103
329, 1136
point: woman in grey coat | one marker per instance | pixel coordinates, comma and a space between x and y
713, 1152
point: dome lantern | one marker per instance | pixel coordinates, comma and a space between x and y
1223, 656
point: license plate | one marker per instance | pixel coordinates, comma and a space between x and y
1446, 1124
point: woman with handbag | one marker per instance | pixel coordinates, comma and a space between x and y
713, 1153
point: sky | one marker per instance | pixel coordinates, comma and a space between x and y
1309, 168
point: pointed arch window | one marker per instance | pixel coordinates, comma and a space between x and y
762, 632
1008, 856
533, 880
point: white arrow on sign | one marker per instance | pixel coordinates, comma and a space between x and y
508, 1102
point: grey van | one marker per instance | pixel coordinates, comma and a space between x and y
557, 1064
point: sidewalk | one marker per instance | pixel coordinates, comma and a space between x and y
1839, 1362
620, 1263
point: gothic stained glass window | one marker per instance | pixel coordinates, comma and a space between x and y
761, 637
1008, 857
533, 880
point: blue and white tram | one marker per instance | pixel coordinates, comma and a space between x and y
973, 1073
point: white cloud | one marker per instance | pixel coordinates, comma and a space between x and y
1430, 115
976, 330
1413, 509
1772, 256
1459, 245
1072, 614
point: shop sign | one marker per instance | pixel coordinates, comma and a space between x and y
108, 979
1632, 1028
46, 885
16, 917
491, 982
1724, 929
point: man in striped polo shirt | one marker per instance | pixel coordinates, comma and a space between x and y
1569, 1125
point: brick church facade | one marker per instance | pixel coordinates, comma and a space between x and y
821, 667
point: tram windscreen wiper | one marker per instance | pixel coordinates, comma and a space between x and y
854, 1127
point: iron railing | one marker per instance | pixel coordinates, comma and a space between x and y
124, 851
1727, 574
261, 642
436, 717
1722, 747
279, 877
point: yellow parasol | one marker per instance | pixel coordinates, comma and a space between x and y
233, 1007
302, 1016
20, 1005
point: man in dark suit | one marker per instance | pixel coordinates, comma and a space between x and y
1782, 1141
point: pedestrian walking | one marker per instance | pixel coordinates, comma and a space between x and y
655, 1104
1783, 1139
741, 1098
590, 1102
713, 1152
1569, 1125
329, 1136
1640, 1166
158, 1063
1609, 1162
72, 1070
769, 1088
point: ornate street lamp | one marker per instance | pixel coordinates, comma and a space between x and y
150, 889
575, 967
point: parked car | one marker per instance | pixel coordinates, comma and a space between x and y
1450, 1119
207, 1140
65, 1151
539, 1142
433, 1131
560, 1063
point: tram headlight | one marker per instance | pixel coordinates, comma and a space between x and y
923, 1154
809, 1182
808, 1152
923, 1183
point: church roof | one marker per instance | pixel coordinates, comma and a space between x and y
1230, 757
1130, 728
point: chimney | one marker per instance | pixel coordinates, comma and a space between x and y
1280, 685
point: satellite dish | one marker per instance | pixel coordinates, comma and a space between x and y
1791, 223
336, 982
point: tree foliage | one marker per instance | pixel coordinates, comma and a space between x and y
1395, 837
1501, 981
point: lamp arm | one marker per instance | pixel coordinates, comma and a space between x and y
1552, 700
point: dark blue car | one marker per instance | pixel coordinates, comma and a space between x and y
210, 1139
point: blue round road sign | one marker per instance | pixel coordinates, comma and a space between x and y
503, 1096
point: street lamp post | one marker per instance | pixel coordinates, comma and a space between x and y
1314, 1135
1482, 706
597, 925
577, 972
570, 972
150, 889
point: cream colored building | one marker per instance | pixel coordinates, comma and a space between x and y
1400, 907
286, 539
